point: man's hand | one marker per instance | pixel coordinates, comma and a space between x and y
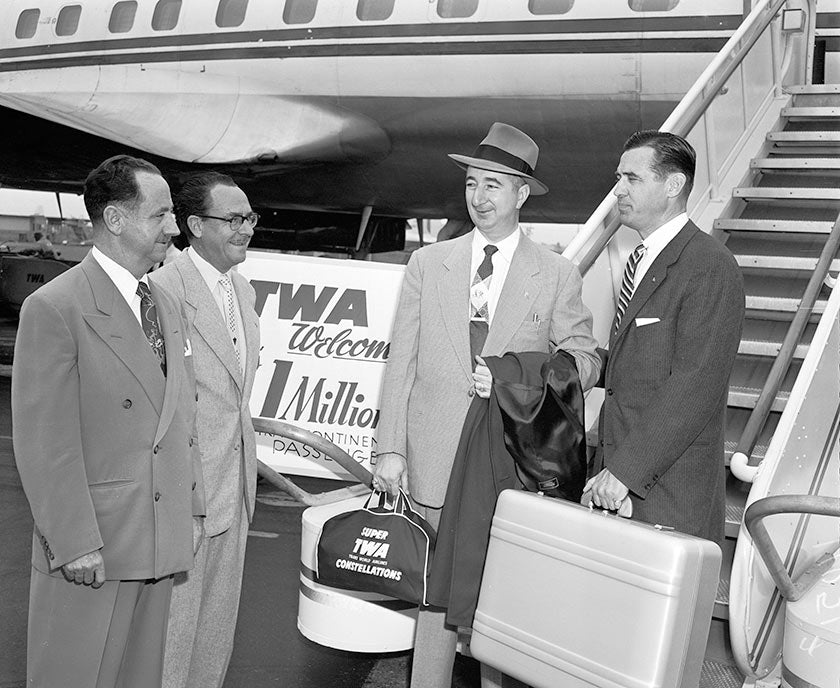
607, 491
390, 474
482, 379
88, 569
198, 533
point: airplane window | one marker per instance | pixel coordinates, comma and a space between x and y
68, 20
451, 9
374, 10
652, 5
231, 13
166, 15
122, 16
299, 11
27, 23
550, 6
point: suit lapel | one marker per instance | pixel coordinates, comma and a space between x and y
517, 296
655, 276
454, 298
170, 327
117, 326
208, 322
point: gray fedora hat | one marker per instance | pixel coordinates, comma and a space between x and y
506, 149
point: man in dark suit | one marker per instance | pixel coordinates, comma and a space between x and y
485, 293
672, 346
103, 406
215, 215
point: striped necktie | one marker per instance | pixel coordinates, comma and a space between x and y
230, 315
479, 312
627, 284
149, 321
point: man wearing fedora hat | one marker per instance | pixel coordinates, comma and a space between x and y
486, 293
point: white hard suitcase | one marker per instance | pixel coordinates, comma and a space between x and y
573, 598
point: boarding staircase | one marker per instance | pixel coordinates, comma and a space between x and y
777, 227
770, 188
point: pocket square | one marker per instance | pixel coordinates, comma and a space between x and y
641, 322
187, 348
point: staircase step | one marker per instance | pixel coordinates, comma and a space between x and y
779, 303
812, 112
795, 163
817, 137
768, 348
735, 512
716, 674
792, 149
782, 262
812, 89
752, 225
786, 193
747, 397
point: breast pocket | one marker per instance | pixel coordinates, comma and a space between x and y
650, 349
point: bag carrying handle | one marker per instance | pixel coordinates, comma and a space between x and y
400, 505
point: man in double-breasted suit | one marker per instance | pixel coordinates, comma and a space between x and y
485, 293
103, 407
671, 350
218, 305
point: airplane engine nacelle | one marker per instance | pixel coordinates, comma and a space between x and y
186, 114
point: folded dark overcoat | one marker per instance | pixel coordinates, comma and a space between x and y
535, 412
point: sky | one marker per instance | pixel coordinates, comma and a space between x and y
19, 202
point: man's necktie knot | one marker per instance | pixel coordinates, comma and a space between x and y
628, 283
149, 321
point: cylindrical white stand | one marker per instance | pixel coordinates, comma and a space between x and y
343, 619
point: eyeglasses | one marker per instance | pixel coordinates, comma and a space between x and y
236, 221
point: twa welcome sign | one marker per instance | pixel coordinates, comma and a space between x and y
325, 338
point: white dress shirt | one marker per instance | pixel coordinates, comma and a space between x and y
211, 276
501, 264
123, 280
656, 243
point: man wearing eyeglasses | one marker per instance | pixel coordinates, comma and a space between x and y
218, 303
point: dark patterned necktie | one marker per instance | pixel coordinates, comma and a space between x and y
479, 313
627, 284
149, 321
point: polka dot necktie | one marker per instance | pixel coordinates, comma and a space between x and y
230, 315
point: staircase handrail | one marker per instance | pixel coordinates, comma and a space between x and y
681, 121
742, 463
323, 445
789, 504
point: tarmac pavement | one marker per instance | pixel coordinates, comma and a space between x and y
269, 651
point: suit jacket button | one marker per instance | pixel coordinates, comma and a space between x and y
196, 396
155, 450
52, 556
127, 404
193, 487
191, 441
157, 496
471, 392
609, 391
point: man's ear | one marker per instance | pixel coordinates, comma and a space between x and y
195, 225
114, 219
676, 184
522, 195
